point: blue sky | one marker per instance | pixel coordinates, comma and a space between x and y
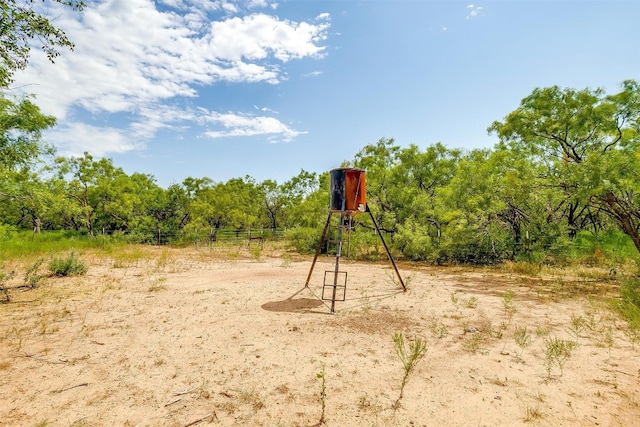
224, 89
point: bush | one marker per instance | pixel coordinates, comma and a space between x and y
6, 231
630, 302
303, 239
364, 245
69, 266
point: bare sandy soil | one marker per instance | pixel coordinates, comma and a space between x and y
179, 337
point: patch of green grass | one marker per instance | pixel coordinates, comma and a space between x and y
23, 244
129, 256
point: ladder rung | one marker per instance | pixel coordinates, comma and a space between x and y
340, 285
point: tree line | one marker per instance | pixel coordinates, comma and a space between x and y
566, 166
567, 162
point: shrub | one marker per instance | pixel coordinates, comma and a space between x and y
6, 231
629, 305
304, 239
69, 266
32, 278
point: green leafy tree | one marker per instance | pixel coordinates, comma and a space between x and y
101, 195
168, 210
282, 203
418, 180
21, 127
588, 143
21, 146
378, 160
245, 208
21, 24
275, 202
309, 196
210, 209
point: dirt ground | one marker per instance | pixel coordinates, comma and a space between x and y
182, 337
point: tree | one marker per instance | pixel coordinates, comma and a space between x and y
589, 145
21, 127
378, 159
21, 23
210, 208
168, 208
92, 186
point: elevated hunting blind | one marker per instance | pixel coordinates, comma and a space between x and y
348, 198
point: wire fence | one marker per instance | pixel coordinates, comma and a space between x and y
161, 237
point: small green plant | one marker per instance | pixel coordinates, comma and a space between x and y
607, 338
522, 338
454, 297
4, 278
474, 342
31, 277
557, 352
543, 330
633, 334
438, 328
509, 305
256, 252
629, 305
323, 394
69, 266
159, 285
472, 302
409, 355
577, 325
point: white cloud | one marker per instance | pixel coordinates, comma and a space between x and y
73, 139
231, 125
473, 11
131, 56
265, 109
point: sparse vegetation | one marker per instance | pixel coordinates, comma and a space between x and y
32, 277
409, 355
509, 305
67, 266
4, 279
471, 302
557, 352
576, 326
532, 414
522, 338
438, 328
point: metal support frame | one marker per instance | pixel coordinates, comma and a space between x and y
336, 271
404, 288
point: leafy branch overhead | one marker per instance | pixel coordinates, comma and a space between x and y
23, 23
